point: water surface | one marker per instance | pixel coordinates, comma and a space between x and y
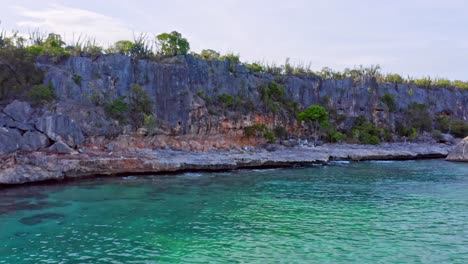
366, 212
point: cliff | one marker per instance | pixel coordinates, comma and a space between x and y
185, 91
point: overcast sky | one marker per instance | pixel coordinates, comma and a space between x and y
412, 37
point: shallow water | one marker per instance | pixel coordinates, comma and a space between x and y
366, 212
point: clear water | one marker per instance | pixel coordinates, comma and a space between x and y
368, 212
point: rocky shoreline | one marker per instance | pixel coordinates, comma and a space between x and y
22, 167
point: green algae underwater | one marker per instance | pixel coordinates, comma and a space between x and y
346, 212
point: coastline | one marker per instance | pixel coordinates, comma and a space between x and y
20, 168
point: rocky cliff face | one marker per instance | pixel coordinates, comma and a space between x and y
182, 88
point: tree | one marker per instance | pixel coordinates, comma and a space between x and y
173, 44
317, 116
123, 47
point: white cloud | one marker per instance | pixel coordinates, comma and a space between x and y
70, 21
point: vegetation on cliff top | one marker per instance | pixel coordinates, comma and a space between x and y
19, 78
26, 49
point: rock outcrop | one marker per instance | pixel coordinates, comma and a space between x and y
62, 148
460, 152
33, 140
18, 111
22, 129
60, 128
10, 140
32, 167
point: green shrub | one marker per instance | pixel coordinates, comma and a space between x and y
337, 136
208, 54
17, 71
316, 117
140, 102
444, 123
365, 132
226, 100
255, 130
394, 78
407, 131
93, 50
254, 67
413, 134
441, 83
140, 105
273, 96
460, 84
54, 48
280, 132
276, 92
389, 100
423, 82
40, 94
459, 128
77, 79
150, 124
270, 136
122, 46
117, 109
35, 50
417, 116
233, 60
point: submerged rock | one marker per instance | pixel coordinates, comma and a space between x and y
39, 218
460, 152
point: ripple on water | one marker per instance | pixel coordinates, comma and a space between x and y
361, 212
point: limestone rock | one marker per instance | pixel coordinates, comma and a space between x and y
33, 141
60, 128
10, 140
19, 111
460, 152
447, 138
61, 148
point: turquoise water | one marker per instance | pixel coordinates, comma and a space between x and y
367, 212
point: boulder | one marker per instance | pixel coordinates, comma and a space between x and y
19, 111
61, 148
33, 141
447, 138
60, 128
6, 121
10, 140
460, 152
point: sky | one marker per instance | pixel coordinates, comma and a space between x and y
411, 37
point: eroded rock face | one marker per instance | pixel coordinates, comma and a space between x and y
174, 87
23, 128
460, 152
60, 128
10, 140
34, 140
18, 111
